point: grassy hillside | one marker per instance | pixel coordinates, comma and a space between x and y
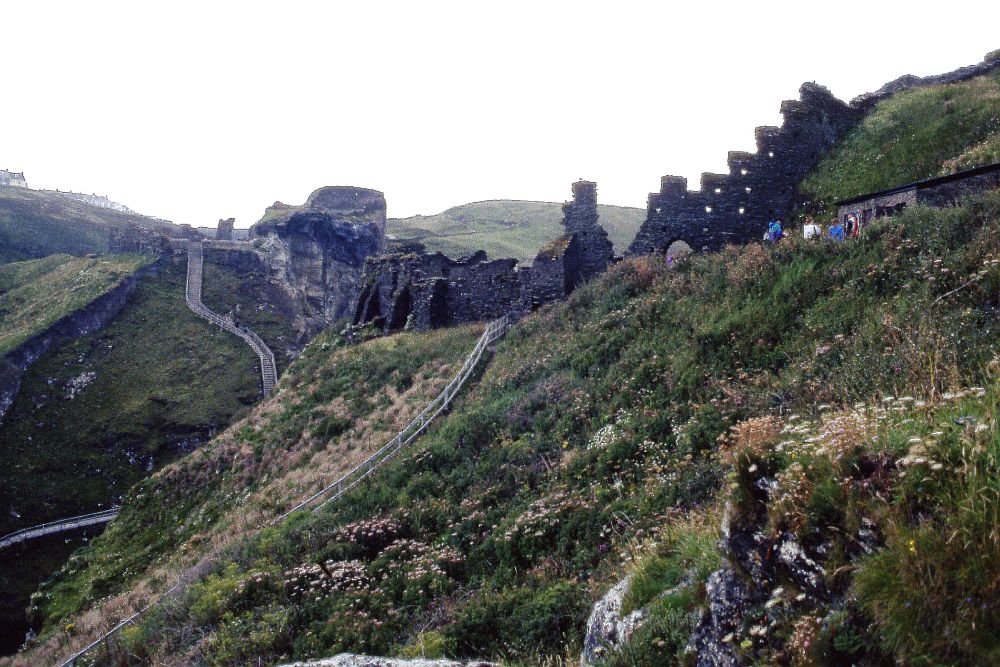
590, 448
99, 413
256, 302
507, 228
35, 223
36, 294
911, 136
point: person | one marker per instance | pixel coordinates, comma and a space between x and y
670, 261
810, 228
836, 230
853, 226
774, 232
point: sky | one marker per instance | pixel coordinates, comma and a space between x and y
195, 111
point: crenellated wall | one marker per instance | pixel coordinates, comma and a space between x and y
736, 207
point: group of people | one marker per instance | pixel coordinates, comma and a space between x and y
851, 229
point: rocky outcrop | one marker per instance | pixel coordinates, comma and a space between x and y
607, 629
353, 660
317, 251
90, 318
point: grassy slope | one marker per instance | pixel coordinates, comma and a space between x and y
507, 228
35, 294
335, 407
163, 378
913, 135
595, 428
225, 289
34, 224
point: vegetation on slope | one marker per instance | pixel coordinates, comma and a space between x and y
335, 406
913, 135
593, 438
255, 302
36, 223
96, 415
36, 294
507, 228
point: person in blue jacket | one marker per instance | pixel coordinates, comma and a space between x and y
774, 232
836, 230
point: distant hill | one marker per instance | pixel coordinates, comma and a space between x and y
37, 223
506, 227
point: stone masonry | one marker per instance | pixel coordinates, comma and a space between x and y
426, 291
761, 186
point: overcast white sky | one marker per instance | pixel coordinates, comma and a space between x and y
194, 111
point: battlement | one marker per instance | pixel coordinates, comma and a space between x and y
735, 207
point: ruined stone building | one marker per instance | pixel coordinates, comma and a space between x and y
422, 290
759, 187
942, 191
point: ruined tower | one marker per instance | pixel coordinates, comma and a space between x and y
595, 249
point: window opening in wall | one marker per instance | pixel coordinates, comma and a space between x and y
742, 211
770, 153
743, 172
718, 191
708, 209
659, 210
747, 189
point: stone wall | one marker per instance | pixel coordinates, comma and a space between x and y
425, 291
939, 192
761, 186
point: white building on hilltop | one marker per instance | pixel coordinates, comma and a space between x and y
12, 179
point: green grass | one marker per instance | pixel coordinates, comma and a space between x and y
911, 136
593, 432
35, 223
36, 294
164, 380
507, 228
259, 305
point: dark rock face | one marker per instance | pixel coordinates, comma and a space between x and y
90, 318
736, 207
317, 252
224, 232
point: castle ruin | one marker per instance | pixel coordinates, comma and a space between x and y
224, 232
429, 290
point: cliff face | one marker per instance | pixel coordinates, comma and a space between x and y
317, 251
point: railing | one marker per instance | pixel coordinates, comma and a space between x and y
59, 526
494, 331
192, 294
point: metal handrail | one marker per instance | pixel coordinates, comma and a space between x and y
60, 525
192, 295
494, 331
